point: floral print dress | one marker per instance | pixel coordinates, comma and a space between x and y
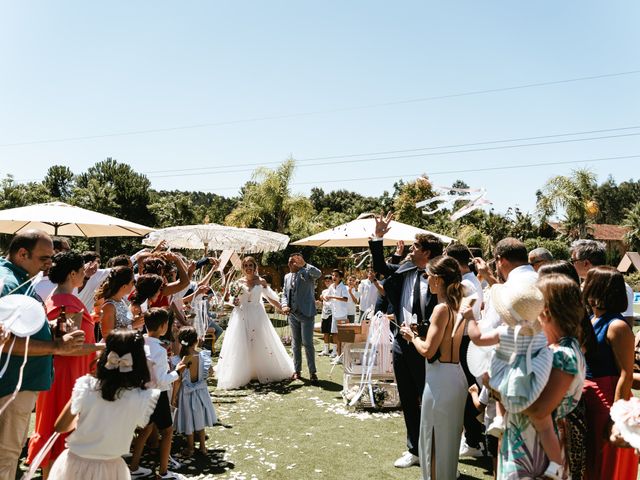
521, 454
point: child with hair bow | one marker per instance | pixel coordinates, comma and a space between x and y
105, 409
192, 399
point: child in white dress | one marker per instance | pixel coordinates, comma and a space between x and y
108, 408
195, 408
522, 361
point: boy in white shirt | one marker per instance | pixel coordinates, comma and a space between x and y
157, 322
325, 325
353, 299
338, 294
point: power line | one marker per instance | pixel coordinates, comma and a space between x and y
403, 157
318, 112
440, 147
450, 172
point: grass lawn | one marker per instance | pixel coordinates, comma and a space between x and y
295, 430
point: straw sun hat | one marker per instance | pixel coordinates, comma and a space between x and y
518, 304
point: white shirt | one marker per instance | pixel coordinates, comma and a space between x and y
368, 295
88, 293
406, 300
44, 288
491, 319
338, 308
105, 429
629, 311
326, 304
470, 280
161, 377
351, 305
176, 298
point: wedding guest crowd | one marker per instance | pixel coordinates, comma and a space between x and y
121, 363
60, 378
563, 354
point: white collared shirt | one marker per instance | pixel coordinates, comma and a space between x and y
368, 294
339, 308
470, 280
158, 361
406, 300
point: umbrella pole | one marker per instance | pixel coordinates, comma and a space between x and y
205, 248
98, 245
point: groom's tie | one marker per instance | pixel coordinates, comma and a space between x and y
292, 291
416, 306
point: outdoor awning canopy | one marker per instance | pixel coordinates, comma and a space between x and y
58, 218
357, 233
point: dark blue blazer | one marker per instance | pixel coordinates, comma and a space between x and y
395, 275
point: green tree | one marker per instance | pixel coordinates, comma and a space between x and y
130, 189
59, 182
96, 196
13, 195
174, 209
267, 203
632, 221
574, 195
613, 200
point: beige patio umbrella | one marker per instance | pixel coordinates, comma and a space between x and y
58, 218
357, 233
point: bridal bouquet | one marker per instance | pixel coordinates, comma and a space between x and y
236, 288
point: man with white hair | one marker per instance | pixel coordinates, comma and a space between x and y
539, 256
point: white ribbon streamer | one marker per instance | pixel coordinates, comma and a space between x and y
20, 375
375, 347
37, 461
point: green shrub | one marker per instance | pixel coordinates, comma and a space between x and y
633, 279
558, 248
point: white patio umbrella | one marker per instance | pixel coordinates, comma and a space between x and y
357, 233
211, 236
58, 218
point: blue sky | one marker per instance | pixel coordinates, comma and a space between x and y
274, 79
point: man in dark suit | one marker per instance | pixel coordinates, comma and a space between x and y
406, 289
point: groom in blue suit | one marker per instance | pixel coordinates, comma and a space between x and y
299, 303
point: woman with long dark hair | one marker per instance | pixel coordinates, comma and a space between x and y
445, 390
114, 291
67, 273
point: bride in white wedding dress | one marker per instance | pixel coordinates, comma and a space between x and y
251, 348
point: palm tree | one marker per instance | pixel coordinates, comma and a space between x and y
267, 203
632, 221
574, 195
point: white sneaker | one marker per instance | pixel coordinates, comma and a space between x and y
333, 354
337, 360
407, 459
170, 474
323, 354
467, 451
140, 472
173, 463
554, 471
496, 428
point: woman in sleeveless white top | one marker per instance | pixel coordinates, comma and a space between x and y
251, 347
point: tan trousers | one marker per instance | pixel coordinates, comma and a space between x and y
14, 428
